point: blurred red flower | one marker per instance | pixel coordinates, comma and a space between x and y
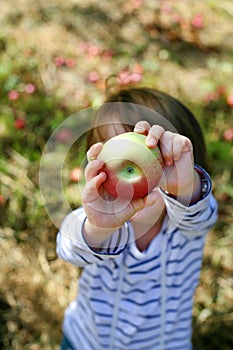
64, 136
70, 62
20, 123
198, 21
125, 77
76, 174
228, 134
212, 96
59, 61
93, 76
13, 95
89, 49
30, 88
137, 3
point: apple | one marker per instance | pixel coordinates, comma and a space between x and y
133, 169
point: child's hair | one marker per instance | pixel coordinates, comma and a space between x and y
125, 111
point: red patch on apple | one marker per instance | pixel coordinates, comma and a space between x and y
133, 169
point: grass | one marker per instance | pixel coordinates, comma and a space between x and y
54, 60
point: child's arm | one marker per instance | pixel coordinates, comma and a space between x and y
180, 179
186, 188
72, 246
99, 229
198, 218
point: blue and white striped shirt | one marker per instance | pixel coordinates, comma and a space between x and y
137, 300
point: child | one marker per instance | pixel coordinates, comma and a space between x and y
141, 264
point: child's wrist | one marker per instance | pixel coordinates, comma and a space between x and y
95, 236
187, 193
196, 195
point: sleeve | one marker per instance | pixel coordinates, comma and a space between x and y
198, 218
72, 247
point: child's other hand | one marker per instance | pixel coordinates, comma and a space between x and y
180, 179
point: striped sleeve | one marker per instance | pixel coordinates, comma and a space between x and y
196, 219
72, 247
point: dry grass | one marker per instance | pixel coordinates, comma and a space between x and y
36, 287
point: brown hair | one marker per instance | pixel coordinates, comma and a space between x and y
124, 108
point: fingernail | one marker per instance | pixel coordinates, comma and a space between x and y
96, 145
151, 141
188, 145
139, 129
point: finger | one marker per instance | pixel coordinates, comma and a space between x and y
147, 201
188, 147
94, 150
142, 127
152, 198
166, 147
180, 144
155, 133
92, 169
91, 190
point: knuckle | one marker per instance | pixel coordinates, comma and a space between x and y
157, 129
143, 125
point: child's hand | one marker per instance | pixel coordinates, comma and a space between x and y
180, 179
105, 214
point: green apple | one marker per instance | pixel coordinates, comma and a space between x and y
133, 169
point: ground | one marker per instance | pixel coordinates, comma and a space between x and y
55, 58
